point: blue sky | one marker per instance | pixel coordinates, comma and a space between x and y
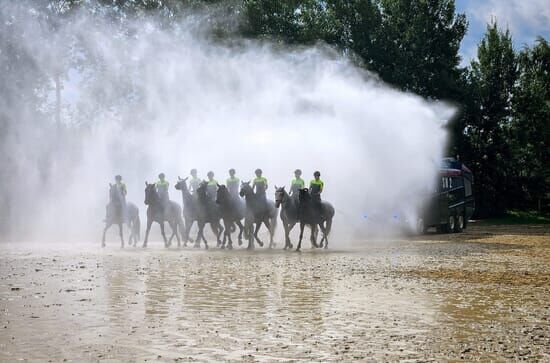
525, 18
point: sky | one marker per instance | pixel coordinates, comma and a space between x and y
526, 19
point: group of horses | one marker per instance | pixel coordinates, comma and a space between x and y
249, 206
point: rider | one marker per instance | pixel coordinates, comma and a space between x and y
260, 182
162, 190
211, 186
297, 183
195, 181
233, 183
121, 186
316, 186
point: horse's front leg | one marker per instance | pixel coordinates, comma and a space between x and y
241, 229
121, 234
149, 224
107, 226
268, 226
163, 234
302, 225
216, 229
325, 237
249, 226
290, 227
313, 236
258, 226
174, 229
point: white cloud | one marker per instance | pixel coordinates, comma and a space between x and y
532, 16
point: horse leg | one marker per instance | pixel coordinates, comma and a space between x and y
174, 232
249, 226
163, 234
324, 230
290, 227
107, 226
268, 226
258, 225
313, 236
121, 234
302, 225
241, 229
188, 224
149, 224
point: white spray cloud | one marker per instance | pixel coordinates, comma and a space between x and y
166, 99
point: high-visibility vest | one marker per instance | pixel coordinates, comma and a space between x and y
212, 182
162, 184
122, 187
299, 183
232, 180
316, 185
195, 182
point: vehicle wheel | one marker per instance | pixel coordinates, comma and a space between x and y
420, 227
450, 226
459, 227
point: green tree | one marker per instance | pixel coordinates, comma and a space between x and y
530, 129
420, 40
492, 78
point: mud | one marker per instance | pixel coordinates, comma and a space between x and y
480, 295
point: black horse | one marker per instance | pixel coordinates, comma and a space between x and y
115, 215
315, 215
232, 211
289, 212
258, 210
190, 208
156, 212
208, 212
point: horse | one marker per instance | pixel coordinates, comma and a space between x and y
156, 212
208, 212
309, 213
258, 210
115, 215
232, 212
289, 212
190, 208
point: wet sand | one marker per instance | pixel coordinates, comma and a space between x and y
480, 295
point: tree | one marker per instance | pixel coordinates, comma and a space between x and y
530, 129
420, 41
493, 78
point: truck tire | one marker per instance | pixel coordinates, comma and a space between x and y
459, 225
451, 225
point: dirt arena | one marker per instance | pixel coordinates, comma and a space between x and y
480, 295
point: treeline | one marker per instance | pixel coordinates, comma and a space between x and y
502, 130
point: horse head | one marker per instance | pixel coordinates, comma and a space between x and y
304, 195
246, 189
202, 189
181, 185
151, 195
280, 196
222, 194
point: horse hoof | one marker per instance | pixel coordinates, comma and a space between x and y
205, 247
298, 250
240, 242
222, 247
103, 245
261, 243
230, 247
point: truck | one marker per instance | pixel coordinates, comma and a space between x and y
452, 204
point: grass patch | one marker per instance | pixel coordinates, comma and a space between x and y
518, 217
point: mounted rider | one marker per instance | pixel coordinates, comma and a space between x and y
233, 183
211, 186
297, 183
121, 187
260, 183
316, 186
162, 190
194, 182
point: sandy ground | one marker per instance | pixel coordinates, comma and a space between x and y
481, 295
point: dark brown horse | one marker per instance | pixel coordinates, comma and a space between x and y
160, 213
